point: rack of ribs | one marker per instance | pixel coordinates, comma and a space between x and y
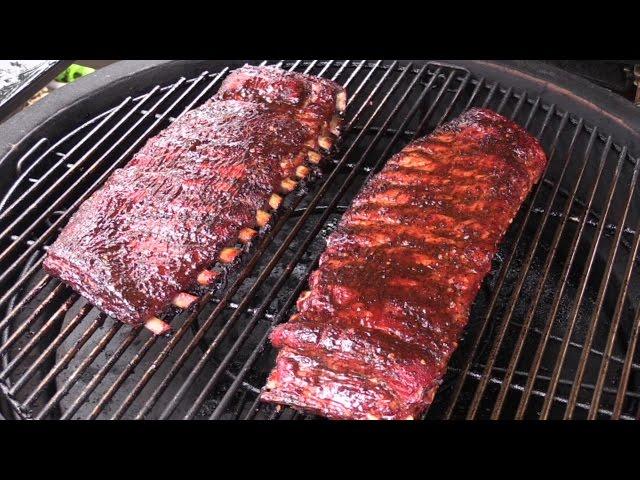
196, 193
387, 305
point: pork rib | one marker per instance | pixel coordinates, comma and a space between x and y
158, 225
393, 290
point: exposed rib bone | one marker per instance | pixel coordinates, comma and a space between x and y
229, 254
275, 201
303, 296
334, 126
288, 185
184, 300
314, 157
206, 277
262, 218
271, 384
325, 142
302, 171
157, 326
247, 234
341, 101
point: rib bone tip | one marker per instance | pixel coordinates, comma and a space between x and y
157, 326
302, 171
229, 254
247, 234
271, 384
304, 295
275, 201
325, 142
262, 218
289, 185
184, 300
314, 157
334, 125
206, 277
341, 101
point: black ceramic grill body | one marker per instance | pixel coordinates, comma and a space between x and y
552, 334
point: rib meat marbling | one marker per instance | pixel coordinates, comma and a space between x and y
388, 303
156, 223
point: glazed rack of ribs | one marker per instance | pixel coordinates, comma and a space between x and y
156, 228
550, 332
373, 336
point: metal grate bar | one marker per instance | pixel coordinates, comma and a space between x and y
505, 99
558, 295
499, 283
541, 394
83, 197
626, 369
32, 318
622, 295
62, 363
258, 350
99, 376
4, 323
291, 300
473, 96
80, 370
20, 200
546, 407
595, 316
578, 346
294, 261
560, 230
212, 367
475, 403
433, 105
51, 348
490, 95
32, 207
127, 371
285, 244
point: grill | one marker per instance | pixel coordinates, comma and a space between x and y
553, 332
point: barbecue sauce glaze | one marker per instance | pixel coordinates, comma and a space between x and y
394, 287
184, 196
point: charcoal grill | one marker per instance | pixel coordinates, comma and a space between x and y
552, 334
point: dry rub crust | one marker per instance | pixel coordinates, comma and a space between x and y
392, 293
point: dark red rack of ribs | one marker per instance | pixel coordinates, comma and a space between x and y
392, 293
195, 191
